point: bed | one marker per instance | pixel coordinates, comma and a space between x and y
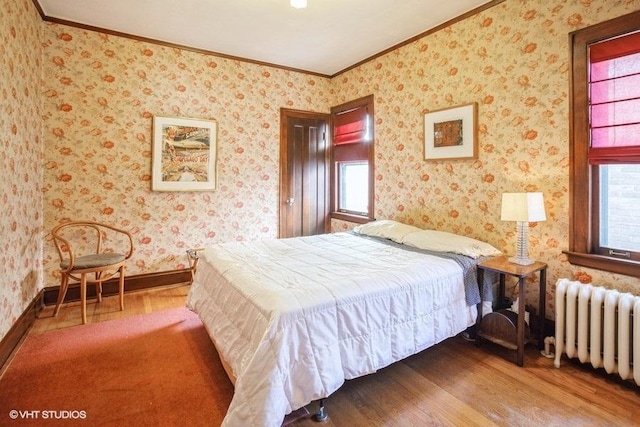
292, 319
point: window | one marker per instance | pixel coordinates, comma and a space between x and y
353, 191
352, 158
619, 210
605, 146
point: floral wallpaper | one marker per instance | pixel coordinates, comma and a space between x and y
20, 159
99, 94
513, 61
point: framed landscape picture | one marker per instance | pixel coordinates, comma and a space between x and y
184, 154
451, 133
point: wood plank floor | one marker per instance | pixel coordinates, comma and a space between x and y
454, 383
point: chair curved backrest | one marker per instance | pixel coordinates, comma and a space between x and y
81, 240
88, 247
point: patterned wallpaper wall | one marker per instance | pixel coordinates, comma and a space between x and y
100, 93
20, 159
100, 96
513, 60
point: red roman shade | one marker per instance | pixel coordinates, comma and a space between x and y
614, 89
351, 127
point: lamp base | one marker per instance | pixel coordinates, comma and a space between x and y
520, 261
522, 253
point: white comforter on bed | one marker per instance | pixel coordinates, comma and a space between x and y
296, 317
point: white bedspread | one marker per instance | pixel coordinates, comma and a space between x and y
296, 317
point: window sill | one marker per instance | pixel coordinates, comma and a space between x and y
600, 262
359, 219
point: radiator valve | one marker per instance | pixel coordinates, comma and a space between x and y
548, 342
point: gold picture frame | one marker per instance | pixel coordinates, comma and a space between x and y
451, 133
184, 154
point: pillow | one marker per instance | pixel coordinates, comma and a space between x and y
387, 229
442, 241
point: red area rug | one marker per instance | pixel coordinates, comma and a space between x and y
159, 369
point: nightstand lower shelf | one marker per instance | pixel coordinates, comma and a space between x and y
501, 328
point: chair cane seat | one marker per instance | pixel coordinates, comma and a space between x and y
93, 261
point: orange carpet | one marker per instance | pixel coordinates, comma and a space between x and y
159, 369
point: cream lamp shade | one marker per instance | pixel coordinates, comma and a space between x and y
522, 208
527, 207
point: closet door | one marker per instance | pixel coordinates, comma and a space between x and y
304, 174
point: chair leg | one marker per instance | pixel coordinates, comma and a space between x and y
83, 298
98, 286
121, 288
62, 292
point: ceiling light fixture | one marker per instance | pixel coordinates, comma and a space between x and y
298, 4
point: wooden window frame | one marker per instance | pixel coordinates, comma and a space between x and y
367, 102
583, 234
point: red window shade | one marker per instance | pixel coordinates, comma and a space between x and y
351, 153
614, 85
351, 127
614, 48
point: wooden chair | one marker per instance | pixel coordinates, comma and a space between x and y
193, 255
91, 252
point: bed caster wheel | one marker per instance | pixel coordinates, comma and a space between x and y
321, 415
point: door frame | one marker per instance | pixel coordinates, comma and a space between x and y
285, 182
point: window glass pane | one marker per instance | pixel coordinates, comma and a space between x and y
616, 113
616, 136
618, 67
614, 93
353, 187
619, 207
616, 90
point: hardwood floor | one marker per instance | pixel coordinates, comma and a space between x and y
141, 302
454, 383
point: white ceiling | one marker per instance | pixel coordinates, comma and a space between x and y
327, 37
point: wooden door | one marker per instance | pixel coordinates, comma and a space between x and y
304, 173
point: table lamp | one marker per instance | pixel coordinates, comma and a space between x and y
522, 208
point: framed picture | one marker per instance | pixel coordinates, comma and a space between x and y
451, 133
184, 154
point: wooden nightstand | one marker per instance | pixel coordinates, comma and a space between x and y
498, 325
